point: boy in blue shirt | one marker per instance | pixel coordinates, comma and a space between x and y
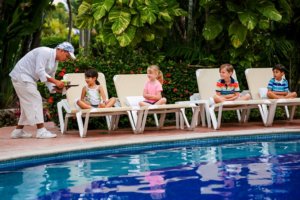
278, 87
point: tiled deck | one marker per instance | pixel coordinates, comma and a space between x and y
18, 148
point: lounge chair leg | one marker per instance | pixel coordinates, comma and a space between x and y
202, 115
293, 109
271, 114
195, 118
208, 116
80, 123
112, 122
131, 120
247, 115
263, 115
156, 120
220, 115
116, 125
238, 115
177, 118
144, 119
287, 112
66, 124
182, 113
162, 120
213, 117
86, 123
60, 116
108, 122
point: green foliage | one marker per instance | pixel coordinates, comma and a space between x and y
238, 33
129, 22
18, 21
212, 28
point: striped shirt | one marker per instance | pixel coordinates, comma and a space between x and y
225, 89
278, 86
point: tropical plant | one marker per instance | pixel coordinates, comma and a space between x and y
128, 22
20, 23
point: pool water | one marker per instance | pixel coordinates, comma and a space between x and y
261, 170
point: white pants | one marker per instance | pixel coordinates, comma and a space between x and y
30, 102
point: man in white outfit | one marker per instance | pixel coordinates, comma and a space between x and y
39, 64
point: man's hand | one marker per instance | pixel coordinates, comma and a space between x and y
59, 84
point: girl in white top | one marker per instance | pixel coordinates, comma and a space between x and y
93, 95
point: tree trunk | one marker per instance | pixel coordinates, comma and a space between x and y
190, 21
70, 21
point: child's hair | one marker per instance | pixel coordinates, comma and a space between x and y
280, 67
228, 67
160, 76
93, 74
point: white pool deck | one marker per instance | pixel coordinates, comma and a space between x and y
21, 148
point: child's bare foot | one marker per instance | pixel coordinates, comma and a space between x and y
101, 105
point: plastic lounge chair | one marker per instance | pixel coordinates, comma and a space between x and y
131, 86
206, 79
72, 110
258, 79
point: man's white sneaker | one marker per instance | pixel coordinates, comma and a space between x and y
20, 133
44, 133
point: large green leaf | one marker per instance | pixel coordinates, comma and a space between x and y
127, 36
206, 3
238, 33
122, 2
85, 17
233, 7
248, 19
264, 24
178, 11
165, 15
148, 13
212, 28
102, 8
136, 21
107, 36
120, 18
268, 10
148, 35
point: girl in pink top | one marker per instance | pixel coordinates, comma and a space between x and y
153, 87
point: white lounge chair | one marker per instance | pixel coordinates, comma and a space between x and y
71, 110
132, 86
206, 79
258, 78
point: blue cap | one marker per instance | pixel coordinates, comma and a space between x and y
67, 46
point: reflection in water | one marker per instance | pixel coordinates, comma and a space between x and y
253, 171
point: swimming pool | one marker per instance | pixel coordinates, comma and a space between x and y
262, 168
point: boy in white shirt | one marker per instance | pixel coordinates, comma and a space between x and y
38, 64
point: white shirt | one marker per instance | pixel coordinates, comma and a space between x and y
35, 65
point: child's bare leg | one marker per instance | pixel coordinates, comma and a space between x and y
218, 99
161, 101
83, 104
245, 97
142, 103
110, 103
291, 95
272, 95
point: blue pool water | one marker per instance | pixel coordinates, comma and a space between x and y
255, 170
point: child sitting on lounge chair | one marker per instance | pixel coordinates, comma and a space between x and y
153, 87
227, 87
278, 86
93, 95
